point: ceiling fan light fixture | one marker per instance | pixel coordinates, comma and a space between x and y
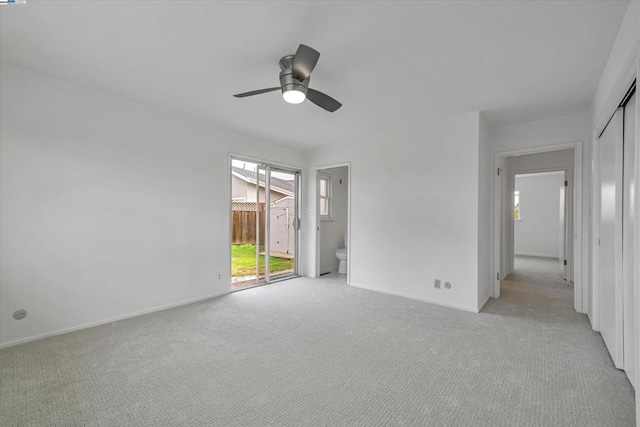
293, 96
294, 80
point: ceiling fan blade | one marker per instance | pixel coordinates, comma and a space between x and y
256, 92
322, 100
304, 61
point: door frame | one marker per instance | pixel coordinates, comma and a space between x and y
565, 241
316, 233
568, 171
298, 208
580, 291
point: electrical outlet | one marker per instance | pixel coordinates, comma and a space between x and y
219, 276
20, 314
436, 283
447, 285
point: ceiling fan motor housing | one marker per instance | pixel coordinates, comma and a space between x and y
287, 80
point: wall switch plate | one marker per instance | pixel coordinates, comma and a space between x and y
436, 283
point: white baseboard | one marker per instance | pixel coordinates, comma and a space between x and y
106, 321
428, 300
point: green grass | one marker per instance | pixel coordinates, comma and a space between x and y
243, 261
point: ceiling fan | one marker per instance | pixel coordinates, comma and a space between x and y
294, 80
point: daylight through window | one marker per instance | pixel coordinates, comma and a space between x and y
324, 193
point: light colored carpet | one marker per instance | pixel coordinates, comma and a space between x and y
319, 353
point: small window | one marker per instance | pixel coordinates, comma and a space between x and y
324, 195
516, 205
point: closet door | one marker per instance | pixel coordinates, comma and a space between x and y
629, 258
610, 297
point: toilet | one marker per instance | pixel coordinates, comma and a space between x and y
341, 254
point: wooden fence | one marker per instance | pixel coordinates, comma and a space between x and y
244, 226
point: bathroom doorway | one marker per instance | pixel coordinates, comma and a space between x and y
332, 222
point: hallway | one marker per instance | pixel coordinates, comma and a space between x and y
536, 283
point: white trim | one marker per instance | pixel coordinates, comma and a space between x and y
580, 286
595, 226
496, 272
316, 210
109, 320
415, 298
538, 174
555, 256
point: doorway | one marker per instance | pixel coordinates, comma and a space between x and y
264, 223
564, 159
333, 237
542, 230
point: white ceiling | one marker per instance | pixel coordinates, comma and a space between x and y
389, 63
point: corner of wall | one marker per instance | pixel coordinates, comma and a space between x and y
485, 190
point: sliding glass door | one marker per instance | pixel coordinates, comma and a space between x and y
265, 212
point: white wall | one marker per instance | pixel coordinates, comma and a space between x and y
414, 209
332, 231
109, 207
625, 43
536, 233
485, 182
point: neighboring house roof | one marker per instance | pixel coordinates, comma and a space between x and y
281, 186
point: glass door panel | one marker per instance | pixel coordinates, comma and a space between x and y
282, 222
261, 223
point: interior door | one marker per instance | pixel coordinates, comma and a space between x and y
610, 295
629, 257
562, 232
